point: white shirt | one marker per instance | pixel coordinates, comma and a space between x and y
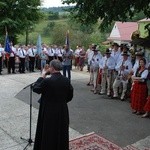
89, 54
13, 52
1, 51
136, 65
58, 52
50, 51
95, 60
32, 52
109, 62
22, 53
76, 53
143, 75
116, 55
128, 67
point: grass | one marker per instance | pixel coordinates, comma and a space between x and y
38, 29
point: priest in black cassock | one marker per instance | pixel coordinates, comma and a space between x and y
56, 91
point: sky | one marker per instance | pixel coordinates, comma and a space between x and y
52, 3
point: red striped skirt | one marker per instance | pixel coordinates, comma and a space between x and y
76, 61
139, 95
147, 105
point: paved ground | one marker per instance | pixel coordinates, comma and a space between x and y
111, 119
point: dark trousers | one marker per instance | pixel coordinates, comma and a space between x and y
22, 65
31, 63
68, 70
11, 64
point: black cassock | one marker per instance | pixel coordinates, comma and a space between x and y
52, 131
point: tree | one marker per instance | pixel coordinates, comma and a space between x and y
147, 27
49, 28
53, 15
87, 11
17, 16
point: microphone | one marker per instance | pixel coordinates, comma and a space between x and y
47, 73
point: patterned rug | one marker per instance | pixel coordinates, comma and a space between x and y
92, 142
130, 147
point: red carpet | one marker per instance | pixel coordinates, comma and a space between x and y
92, 142
130, 148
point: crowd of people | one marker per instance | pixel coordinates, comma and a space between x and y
28, 58
119, 75
115, 72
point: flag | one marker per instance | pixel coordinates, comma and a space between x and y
7, 45
39, 45
67, 39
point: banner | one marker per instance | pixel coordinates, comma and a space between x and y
39, 45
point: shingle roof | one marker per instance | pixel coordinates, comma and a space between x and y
125, 30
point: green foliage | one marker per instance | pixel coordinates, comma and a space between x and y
53, 15
59, 33
48, 29
86, 11
18, 16
64, 15
55, 33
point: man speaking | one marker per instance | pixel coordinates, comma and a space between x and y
52, 131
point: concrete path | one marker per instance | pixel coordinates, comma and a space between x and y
88, 113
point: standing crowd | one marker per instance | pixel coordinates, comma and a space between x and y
120, 75
28, 58
116, 73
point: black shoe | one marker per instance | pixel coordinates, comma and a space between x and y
14, 72
88, 84
122, 99
101, 93
114, 97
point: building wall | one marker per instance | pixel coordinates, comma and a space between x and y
115, 32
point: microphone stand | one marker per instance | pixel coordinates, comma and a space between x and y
29, 140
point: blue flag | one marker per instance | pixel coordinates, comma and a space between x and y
7, 45
39, 45
67, 39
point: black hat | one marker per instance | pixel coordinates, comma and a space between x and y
94, 47
125, 53
116, 44
107, 51
139, 54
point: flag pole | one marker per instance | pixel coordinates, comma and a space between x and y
6, 55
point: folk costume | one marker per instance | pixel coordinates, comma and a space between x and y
82, 54
139, 91
94, 68
107, 65
147, 105
123, 69
52, 131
